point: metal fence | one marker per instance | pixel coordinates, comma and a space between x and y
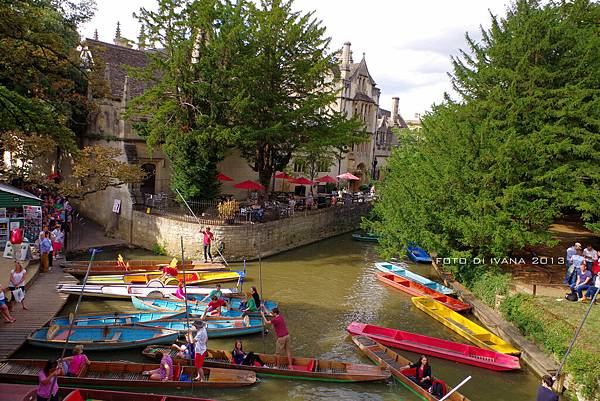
208, 211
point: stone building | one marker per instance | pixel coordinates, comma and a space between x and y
385, 138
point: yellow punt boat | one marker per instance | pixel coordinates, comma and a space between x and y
463, 326
146, 277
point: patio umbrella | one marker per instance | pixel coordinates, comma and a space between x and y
301, 181
249, 185
348, 177
281, 175
326, 179
223, 177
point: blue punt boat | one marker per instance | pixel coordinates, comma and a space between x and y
407, 274
366, 237
215, 327
172, 306
418, 254
116, 318
102, 338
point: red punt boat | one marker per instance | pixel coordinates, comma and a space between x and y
437, 347
419, 290
104, 395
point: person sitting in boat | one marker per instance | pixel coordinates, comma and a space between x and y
255, 296
164, 372
48, 383
214, 307
185, 351
214, 293
76, 362
242, 358
168, 272
249, 305
422, 372
180, 292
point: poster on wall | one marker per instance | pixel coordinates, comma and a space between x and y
116, 206
33, 222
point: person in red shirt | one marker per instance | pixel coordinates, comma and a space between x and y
169, 271
214, 306
207, 240
283, 343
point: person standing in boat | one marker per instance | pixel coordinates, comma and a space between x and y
200, 341
282, 344
48, 384
422, 372
207, 241
545, 392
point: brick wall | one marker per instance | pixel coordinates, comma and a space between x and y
243, 240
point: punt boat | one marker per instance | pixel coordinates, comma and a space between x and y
80, 394
418, 254
365, 237
473, 332
101, 338
124, 375
402, 271
215, 327
79, 271
420, 344
384, 357
146, 277
171, 305
301, 368
17, 392
155, 289
419, 290
115, 318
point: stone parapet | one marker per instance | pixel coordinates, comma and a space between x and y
247, 240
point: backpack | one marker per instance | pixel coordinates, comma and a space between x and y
437, 389
572, 296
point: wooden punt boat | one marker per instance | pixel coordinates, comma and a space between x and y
382, 356
155, 289
17, 392
101, 338
402, 271
146, 277
419, 290
79, 271
215, 327
463, 353
132, 263
124, 375
80, 394
169, 305
473, 332
116, 318
418, 254
367, 237
302, 368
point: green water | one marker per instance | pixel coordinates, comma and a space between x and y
321, 288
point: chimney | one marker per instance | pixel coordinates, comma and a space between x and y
346, 57
395, 101
95, 34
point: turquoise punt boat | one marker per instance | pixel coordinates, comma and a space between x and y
407, 274
172, 306
365, 237
214, 327
116, 318
105, 338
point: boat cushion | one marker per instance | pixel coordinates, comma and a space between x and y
115, 337
75, 396
60, 336
311, 365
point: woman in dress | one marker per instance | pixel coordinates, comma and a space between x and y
17, 282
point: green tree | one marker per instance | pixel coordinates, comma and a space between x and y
288, 87
487, 175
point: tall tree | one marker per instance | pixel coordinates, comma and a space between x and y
488, 174
289, 88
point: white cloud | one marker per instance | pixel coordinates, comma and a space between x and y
408, 44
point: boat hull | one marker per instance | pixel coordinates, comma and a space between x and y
147, 277
418, 290
77, 394
437, 347
478, 335
364, 238
303, 368
403, 272
116, 318
124, 291
161, 305
418, 255
216, 328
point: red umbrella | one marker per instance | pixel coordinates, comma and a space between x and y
249, 185
301, 181
282, 175
223, 177
326, 179
53, 176
348, 176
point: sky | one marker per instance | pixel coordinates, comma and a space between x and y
407, 44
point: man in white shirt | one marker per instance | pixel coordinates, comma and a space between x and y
590, 255
200, 341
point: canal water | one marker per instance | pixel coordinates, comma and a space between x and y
321, 288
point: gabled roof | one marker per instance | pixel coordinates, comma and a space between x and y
16, 191
361, 69
116, 59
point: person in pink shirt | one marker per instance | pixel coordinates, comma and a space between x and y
77, 361
282, 344
206, 241
48, 384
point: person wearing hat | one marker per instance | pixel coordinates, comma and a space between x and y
200, 341
545, 392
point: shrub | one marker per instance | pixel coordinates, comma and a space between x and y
159, 249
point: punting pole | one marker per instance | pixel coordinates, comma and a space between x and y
459, 385
200, 224
587, 313
187, 312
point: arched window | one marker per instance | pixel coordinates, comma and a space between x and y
149, 184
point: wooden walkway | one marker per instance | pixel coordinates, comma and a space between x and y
43, 302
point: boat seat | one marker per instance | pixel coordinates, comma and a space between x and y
454, 322
311, 365
115, 337
60, 336
76, 396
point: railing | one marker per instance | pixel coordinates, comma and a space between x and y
208, 211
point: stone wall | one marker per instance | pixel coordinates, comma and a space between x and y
246, 240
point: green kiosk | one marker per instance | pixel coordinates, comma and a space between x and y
19, 209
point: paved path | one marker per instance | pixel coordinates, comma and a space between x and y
43, 302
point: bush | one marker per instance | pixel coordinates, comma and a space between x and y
159, 249
489, 284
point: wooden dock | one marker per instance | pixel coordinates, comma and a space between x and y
43, 302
